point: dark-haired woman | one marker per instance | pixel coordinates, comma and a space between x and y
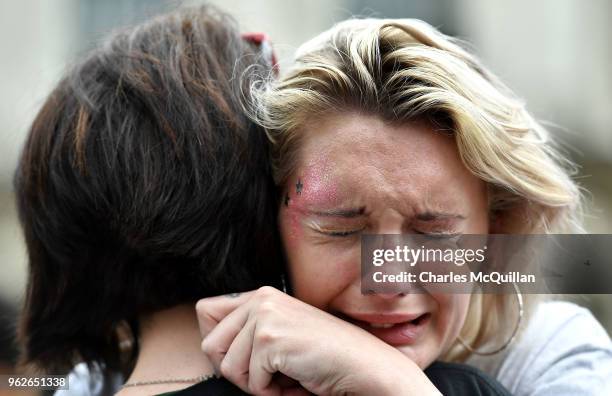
143, 187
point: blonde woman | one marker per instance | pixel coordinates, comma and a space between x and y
388, 126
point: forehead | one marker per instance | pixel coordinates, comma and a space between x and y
356, 134
365, 150
351, 160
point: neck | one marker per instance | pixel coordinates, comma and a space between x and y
169, 349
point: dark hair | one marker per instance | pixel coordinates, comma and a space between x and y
8, 349
143, 185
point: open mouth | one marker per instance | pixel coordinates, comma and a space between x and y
393, 329
416, 322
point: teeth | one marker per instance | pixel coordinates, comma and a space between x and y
381, 325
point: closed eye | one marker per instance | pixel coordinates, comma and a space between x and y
446, 236
341, 233
335, 231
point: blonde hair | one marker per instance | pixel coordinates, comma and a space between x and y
403, 70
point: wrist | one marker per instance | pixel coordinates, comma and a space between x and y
408, 385
406, 379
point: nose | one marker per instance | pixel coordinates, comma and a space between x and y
391, 291
390, 222
389, 296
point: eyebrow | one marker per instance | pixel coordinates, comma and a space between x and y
345, 213
357, 212
432, 215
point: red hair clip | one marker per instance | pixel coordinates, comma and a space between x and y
263, 42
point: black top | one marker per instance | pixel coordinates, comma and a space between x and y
452, 379
211, 387
462, 379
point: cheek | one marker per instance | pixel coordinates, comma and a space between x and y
290, 228
318, 281
317, 273
479, 221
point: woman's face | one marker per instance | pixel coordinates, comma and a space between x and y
358, 174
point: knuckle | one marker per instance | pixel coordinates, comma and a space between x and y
254, 388
205, 319
226, 369
208, 347
277, 362
269, 312
268, 307
266, 291
201, 307
266, 337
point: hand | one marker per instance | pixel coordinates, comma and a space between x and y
251, 337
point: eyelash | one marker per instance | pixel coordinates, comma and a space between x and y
440, 235
336, 234
332, 233
434, 235
452, 236
341, 234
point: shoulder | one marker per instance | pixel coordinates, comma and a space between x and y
563, 351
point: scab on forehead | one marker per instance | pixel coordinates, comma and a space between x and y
316, 184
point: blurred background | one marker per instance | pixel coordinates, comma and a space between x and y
556, 54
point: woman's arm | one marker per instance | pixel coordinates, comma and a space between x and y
252, 337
